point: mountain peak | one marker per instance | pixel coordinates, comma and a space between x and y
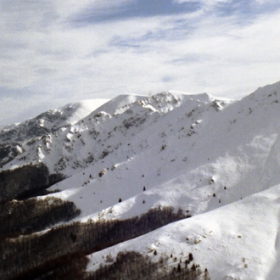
198, 175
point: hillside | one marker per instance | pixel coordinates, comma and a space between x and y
182, 186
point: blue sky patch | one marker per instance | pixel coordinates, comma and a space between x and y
138, 8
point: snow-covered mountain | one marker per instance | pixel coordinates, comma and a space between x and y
13, 136
174, 185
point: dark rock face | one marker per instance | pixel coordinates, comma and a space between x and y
35, 127
8, 152
28, 130
24, 181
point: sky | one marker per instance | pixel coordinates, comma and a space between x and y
54, 52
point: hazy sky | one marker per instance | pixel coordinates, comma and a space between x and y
53, 52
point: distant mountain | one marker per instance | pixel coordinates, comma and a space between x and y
13, 136
181, 186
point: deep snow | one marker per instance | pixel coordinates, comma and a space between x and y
217, 160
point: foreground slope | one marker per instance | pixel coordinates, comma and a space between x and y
138, 163
237, 241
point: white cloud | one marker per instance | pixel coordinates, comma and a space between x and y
205, 2
46, 57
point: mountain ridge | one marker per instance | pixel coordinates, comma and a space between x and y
200, 156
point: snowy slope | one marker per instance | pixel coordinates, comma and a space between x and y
169, 152
237, 241
217, 160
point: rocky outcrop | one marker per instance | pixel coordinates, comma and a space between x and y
8, 152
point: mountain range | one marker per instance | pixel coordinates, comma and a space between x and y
168, 186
